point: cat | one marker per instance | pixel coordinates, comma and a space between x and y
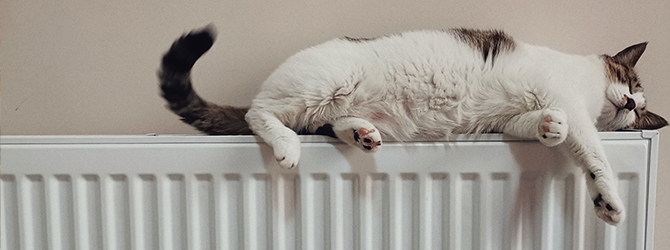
429, 84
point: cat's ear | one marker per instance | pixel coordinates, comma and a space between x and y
649, 120
630, 55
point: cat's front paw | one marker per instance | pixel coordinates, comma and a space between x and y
606, 202
369, 140
287, 152
553, 127
609, 208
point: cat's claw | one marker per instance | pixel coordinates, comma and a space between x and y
369, 140
553, 127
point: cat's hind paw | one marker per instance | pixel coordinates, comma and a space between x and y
369, 140
358, 132
553, 127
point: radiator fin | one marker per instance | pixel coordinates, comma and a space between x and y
89, 211
529, 211
62, 212
318, 212
438, 214
34, 219
202, 233
407, 219
232, 212
348, 217
467, 219
627, 235
259, 219
287, 217
500, 206
116, 218
560, 207
172, 191
9, 213
145, 211
377, 208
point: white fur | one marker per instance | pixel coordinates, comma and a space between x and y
614, 116
429, 84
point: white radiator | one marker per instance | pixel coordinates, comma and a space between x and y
215, 192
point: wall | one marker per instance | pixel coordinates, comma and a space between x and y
88, 67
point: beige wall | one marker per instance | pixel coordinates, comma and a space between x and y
88, 67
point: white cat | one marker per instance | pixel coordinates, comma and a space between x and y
428, 85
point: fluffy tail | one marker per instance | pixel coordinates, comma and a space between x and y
176, 88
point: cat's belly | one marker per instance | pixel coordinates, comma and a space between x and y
423, 111
416, 100
408, 124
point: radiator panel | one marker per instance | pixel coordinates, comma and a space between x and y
198, 192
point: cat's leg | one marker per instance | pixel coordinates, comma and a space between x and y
284, 141
551, 127
358, 132
585, 144
547, 125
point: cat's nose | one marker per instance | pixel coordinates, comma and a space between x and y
630, 104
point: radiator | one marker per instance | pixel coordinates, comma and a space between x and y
227, 192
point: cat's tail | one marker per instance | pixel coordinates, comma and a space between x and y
175, 83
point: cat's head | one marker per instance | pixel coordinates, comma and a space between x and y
627, 107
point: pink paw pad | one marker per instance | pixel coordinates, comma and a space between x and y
364, 132
367, 141
552, 128
545, 128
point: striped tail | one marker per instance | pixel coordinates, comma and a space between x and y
175, 83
